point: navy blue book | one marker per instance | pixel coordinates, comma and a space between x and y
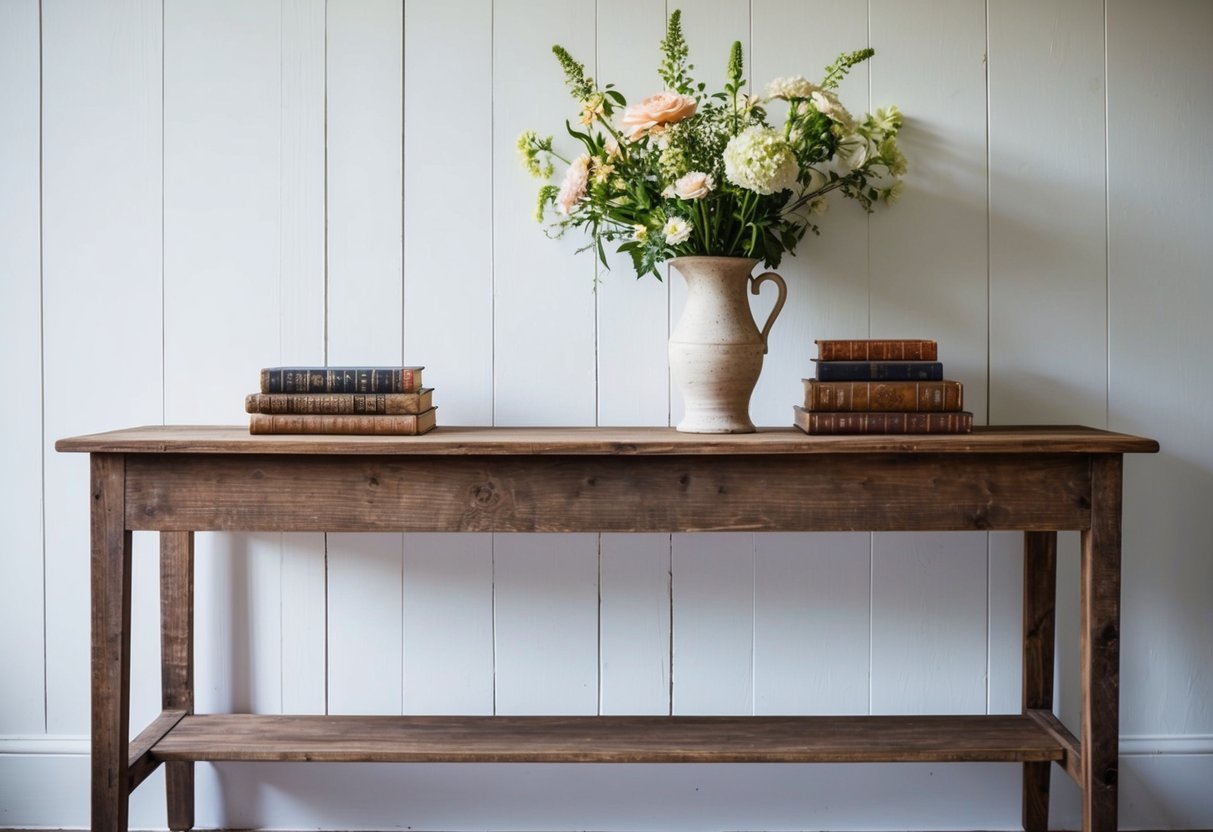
341, 379
879, 370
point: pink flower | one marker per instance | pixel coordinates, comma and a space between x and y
572, 189
694, 185
656, 110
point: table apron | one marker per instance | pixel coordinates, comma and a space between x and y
542, 493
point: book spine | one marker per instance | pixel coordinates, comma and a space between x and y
830, 422
921, 396
866, 349
879, 371
403, 425
339, 403
340, 380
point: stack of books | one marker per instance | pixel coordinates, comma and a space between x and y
345, 400
881, 386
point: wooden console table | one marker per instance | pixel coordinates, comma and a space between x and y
178, 480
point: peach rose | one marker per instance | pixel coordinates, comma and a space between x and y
694, 185
660, 109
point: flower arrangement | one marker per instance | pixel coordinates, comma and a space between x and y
684, 172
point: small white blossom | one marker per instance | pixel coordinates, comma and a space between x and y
853, 150
676, 230
819, 206
640, 232
894, 193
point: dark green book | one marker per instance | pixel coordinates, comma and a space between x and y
341, 379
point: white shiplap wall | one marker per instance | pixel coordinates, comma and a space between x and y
189, 192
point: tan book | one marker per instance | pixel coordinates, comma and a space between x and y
340, 403
402, 425
832, 422
918, 396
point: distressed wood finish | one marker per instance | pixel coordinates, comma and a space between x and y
141, 763
609, 739
882, 492
111, 645
177, 661
1039, 606
1100, 634
178, 480
477, 441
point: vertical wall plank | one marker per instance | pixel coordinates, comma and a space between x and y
713, 574
1048, 361
365, 191
828, 277
546, 623
928, 260
543, 317
448, 327
811, 638
1160, 294
222, 302
101, 293
633, 314
448, 623
448, 217
633, 389
713, 603
22, 694
634, 640
928, 643
811, 592
302, 327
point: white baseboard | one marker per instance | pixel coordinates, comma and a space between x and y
1164, 785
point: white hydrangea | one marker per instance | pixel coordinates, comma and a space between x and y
758, 159
789, 88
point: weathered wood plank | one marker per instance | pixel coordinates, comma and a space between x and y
609, 739
474, 441
177, 661
1071, 760
626, 494
140, 762
1039, 603
111, 646
1100, 635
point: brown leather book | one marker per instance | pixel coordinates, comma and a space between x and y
917, 396
340, 403
873, 349
404, 425
833, 422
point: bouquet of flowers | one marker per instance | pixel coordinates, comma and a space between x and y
685, 172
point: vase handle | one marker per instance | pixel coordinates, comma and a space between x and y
755, 283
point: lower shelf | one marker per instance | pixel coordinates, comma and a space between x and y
609, 739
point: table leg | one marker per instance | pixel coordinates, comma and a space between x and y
110, 566
177, 661
1101, 647
1039, 604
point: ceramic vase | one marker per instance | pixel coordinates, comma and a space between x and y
716, 349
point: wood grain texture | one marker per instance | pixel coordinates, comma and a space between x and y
609, 739
177, 661
469, 441
879, 492
111, 646
1100, 634
1039, 603
141, 763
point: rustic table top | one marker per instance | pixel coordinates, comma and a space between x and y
645, 441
